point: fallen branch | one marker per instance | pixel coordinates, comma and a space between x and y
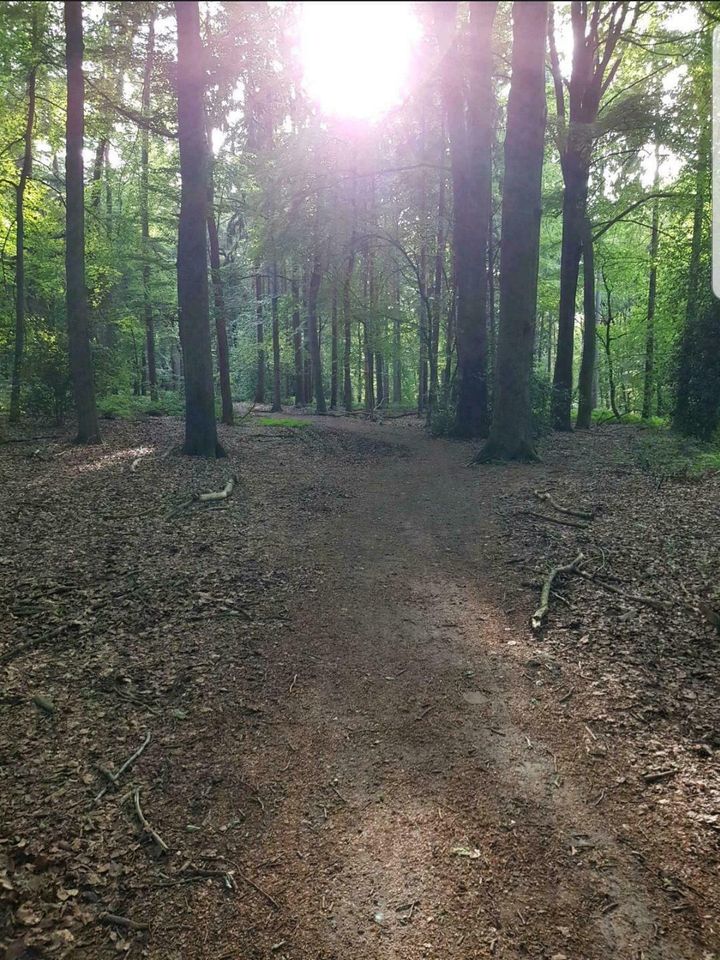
583, 514
654, 776
562, 523
634, 597
114, 777
153, 834
538, 618
219, 494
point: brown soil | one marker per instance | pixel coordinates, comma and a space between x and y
354, 730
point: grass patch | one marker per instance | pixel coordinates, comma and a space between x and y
283, 422
130, 407
669, 455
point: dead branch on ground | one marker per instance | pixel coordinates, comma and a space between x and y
583, 514
538, 618
114, 777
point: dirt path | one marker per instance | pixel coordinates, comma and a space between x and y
426, 812
380, 755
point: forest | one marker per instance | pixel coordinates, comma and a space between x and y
360, 450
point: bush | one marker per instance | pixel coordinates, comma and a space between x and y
46, 392
540, 398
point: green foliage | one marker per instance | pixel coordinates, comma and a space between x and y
129, 407
47, 386
540, 400
283, 422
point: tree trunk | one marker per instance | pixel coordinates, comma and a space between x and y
334, 351
277, 397
260, 333
682, 414
313, 294
223, 348
81, 364
586, 380
347, 327
649, 374
573, 214
144, 214
470, 159
297, 343
193, 295
25, 175
511, 433
434, 344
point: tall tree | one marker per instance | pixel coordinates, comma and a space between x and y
596, 31
469, 125
649, 373
25, 175
586, 378
81, 363
277, 392
511, 431
260, 336
192, 274
144, 211
312, 331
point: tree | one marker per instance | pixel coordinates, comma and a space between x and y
192, 274
469, 124
25, 175
81, 364
596, 33
312, 331
511, 431
144, 213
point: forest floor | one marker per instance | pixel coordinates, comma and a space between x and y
358, 747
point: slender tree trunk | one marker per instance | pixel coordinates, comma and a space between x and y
347, 327
437, 295
574, 206
223, 347
260, 334
334, 351
81, 363
683, 400
313, 294
649, 376
511, 432
144, 214
25, 175
193, 295
369, 290
424, 321
277, 398
300, 398
397, 347
586, 380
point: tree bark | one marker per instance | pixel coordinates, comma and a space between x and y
300, 398
313, 294
221, 335
334, 351
260, 334
511, 432
347, 327
144, 214
649, 373
277, 397
470, 135
193, 295
25, 175
81, 364
586, 380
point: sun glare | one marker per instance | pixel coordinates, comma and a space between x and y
356, 56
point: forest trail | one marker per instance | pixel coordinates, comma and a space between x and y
381, 756
432, 814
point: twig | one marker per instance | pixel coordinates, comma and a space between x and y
654, 776
541, 516
153, 834
538, 618
647, 601
117, 921
114, 777
583, 514
260, 890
